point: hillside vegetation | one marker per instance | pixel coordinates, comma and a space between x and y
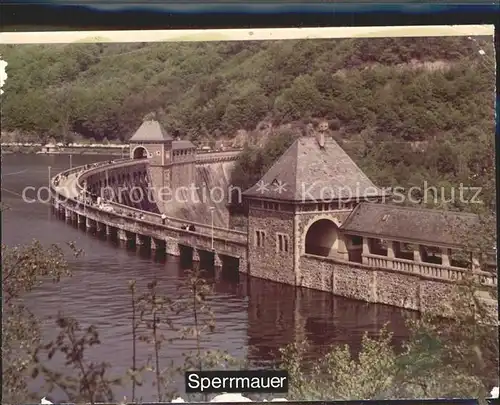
378, 95
409, 88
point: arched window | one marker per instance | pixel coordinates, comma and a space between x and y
140, 152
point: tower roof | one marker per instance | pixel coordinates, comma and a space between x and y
308, 171
410, 223
176, 145
151, 131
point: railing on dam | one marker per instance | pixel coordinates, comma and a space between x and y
120, 163
217, 157
113, 164
230, 234
155, 230
94, 168
414, 290
425, 270
223, 233
132, 214
89, 168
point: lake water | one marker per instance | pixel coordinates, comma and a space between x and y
254, 318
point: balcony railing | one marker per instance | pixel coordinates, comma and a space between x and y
427, 269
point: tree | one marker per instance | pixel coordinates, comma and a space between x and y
440, 359
301, 100
24, 269
88, 381
197, 308
339, 376
408, 90
245, 109
69, 138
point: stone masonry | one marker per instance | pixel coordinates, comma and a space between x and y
304, 229
267, 261
314, 221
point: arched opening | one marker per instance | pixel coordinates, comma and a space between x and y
140, 153
321, 238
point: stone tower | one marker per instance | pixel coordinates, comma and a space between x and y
183, 158
151, 141
172, 163
299, 206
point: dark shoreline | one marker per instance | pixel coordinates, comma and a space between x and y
31, 150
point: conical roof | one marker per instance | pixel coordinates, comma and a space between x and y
151, 131
310, 172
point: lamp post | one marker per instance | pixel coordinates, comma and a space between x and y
106, 189
52, 195
212, 215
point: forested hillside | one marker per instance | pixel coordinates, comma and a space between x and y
409, 89
378, 95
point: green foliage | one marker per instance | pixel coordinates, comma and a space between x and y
300, 100
461, 350
155, 316
442, 358
134, 372
153, 312
450, 358
408, 88
197, 308
89, 381
24, 268
337, 375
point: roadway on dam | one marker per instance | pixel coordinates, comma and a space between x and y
254, 318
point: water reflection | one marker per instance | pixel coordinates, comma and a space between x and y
324, 320
254, 317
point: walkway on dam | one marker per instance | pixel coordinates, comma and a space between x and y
147, 228
68, 186
206, 242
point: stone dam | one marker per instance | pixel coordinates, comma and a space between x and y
360, 248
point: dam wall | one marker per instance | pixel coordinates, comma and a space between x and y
423, 287
142, 228
136, 184
128, 183
211, 188
119, 172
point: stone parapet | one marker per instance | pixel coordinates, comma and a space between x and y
376, 285
274, 247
